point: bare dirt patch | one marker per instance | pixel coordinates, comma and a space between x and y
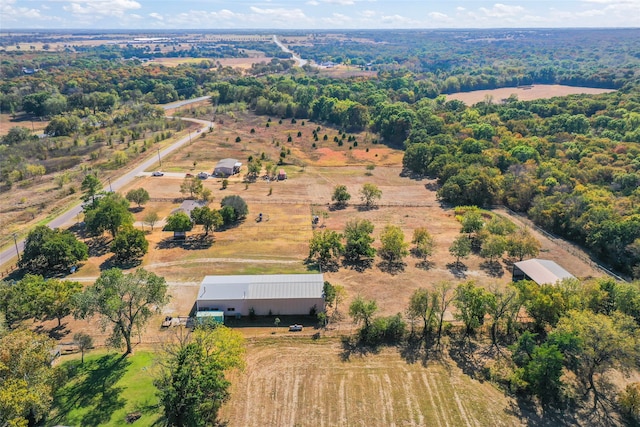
525, 93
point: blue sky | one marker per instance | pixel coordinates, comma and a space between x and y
316, 14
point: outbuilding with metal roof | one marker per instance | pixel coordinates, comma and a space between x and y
541, 271
278, 294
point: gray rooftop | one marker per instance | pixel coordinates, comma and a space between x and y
543, 271
226, 163
188, 205
273, 286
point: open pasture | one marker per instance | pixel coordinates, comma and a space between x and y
524, 93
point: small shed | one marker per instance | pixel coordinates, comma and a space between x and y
541, 271
282, 175
203, 317
226, 167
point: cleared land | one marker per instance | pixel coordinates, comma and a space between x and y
525, 93
296, 382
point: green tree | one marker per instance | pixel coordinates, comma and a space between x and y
193, 385
604, 342
123, 301
471, 221
358, 237
139, 196
57, 298
369, 193
471, 302
393, 248
151, 218
543, 371
110, 213
460, 248
191, 185
84, 343
178, 222
91, 186
26, 377
362, 311
629, 400
522, 244
424, 305
130, 244
325, 247
501, 304
210, 219
238, 204
493, 247
340, 195
424, 242
47, 250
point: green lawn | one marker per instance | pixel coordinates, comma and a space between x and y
105, 389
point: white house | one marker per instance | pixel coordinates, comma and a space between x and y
278, 294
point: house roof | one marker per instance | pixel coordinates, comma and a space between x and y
275, 286
188, 205
543, 271
226, 163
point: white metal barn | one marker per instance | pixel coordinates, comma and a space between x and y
541, 271
280, 294
227, 167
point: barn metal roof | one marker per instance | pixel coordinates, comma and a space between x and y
543, 271
226, 163
273, 286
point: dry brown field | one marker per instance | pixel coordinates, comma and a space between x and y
294, 381
528, 93
7, 122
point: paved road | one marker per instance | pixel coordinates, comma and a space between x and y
70, 215
299, 60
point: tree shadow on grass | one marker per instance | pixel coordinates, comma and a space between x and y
418, 348
358, 265
194, 242
56, 333
91, 390
98, 246
351, 345
458, 270
112, 262
464, 352
392, 268
425, 264
492, 268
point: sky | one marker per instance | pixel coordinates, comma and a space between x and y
315, 14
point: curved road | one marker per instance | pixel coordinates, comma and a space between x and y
299, 60
70, 215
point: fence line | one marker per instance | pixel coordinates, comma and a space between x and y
595, 263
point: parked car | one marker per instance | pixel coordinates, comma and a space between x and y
295, 328
157, 173
203, 175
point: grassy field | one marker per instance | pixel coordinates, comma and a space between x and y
295, 381
105, 389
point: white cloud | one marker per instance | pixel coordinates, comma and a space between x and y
500, 10
101, 7
313, 3
368, 13
340, 2
438, 16
338, 19
10, 13
156, 16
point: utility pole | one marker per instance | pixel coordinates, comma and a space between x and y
159, 158
189, 136
110, 189
15, 242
